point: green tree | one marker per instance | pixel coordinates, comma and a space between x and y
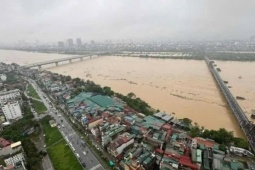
77, 80
242, 143
108, 91
223, 147
195, 131
131, 95
33, 156
186, 121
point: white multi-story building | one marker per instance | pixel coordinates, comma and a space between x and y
3, 77
9, 96
117, 146
12, 111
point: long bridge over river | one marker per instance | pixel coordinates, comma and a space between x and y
57, 61
247, 126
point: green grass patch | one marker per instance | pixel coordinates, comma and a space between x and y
32, 92
60, 153
63, 158
39, 106
52, 133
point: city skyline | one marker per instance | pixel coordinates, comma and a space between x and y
144, 21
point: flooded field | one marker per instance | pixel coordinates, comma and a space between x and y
182, 87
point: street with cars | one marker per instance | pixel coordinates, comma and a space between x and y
77, 145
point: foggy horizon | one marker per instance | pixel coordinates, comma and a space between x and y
52, 21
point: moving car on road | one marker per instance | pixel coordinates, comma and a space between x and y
77, 155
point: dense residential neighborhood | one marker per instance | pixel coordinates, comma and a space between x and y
123, 132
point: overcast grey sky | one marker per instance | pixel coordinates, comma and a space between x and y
53, 20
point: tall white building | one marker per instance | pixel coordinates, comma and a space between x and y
12, 111
9, 96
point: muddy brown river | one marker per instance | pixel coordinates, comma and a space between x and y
181, 87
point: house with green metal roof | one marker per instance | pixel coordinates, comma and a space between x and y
142, 157
152, 122
92, 104
147, 160
102, 101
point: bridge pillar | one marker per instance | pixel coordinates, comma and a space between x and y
56, 63
70, 60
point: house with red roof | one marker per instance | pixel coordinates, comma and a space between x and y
4, 143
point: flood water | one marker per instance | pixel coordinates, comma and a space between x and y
23, 57
183, 87
241, 78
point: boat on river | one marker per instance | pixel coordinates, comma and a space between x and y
253, 114
240, 98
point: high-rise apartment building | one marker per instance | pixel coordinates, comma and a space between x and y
70, 43
10, 96
12, 111
78, 42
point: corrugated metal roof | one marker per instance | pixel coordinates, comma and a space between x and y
103, 101
143, 156
153, 122
186, 161
147, 160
